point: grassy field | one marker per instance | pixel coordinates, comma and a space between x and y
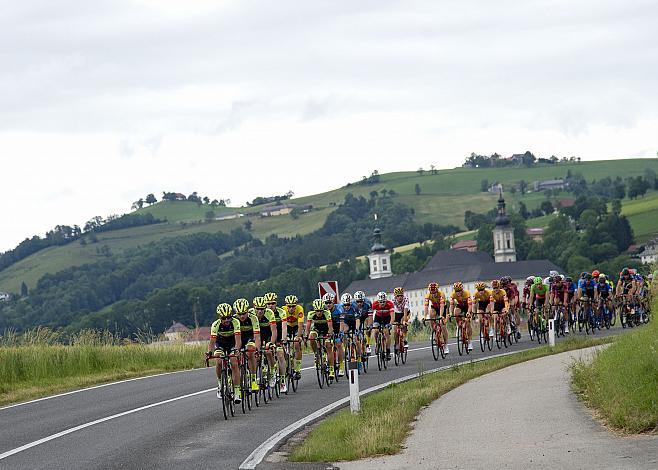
621, 383
41, 367
386, 417
443, 199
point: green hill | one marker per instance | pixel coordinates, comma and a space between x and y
443, 199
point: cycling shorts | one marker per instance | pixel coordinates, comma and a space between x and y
398, 317
351, 324
292, 331
499, 306
540, 301
381, 321
482, 305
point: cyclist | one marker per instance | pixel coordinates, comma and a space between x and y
586, 288
225, 341
363, 309
603, 293
481, 300
571, 293
295, 314
351, 323
558, 297
499, 304
460, 306
336, 311
530, 280
268, 332
281, 318
401, 311
383, 309
249, 336
512, 291
434, 305
538, 294
318, 323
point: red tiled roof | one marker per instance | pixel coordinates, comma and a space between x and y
566, 202
464, 244
535, 231
203, 333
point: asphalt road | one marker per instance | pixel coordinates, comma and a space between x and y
187, 432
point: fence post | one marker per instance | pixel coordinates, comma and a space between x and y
355, 401
551, 332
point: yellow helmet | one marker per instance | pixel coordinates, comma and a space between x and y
291, 300
270, 297
398, 291
458, 286
480, 286
241, 306
318, 305
224, 310
495, 284
259, 302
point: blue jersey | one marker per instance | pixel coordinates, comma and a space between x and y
587, 286
336, 312
364, 310
603, 289
571, 287
349, 312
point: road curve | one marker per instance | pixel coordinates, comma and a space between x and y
173, 420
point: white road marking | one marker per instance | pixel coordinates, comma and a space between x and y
92, 423
257, 456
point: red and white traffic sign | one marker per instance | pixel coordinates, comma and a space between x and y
328, 287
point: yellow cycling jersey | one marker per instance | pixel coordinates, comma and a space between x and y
482, 295
462, 298
295, 315
434, 299
498, 297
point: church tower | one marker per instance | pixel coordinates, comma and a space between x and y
379, 258
503, 235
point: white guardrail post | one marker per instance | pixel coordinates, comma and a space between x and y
355, 401
551, 332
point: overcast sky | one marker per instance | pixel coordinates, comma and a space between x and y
103, 102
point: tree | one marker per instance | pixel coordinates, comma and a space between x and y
546, 207
523, 210
384, 192
528, 159
138, 204
24, 290
373, 195
209, 216
420, 171
391, 192
484, 185
248, 225
206, 200
523, 186
417, 189
433, 170
150, 199
616, 206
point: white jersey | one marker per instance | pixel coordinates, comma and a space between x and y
401, 307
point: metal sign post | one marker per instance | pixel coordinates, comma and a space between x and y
355, 401
551, 332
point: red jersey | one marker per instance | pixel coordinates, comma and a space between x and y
558, 288
512, 291
526, 292
382, 309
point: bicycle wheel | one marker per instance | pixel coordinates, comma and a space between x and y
268, 377
384, 352
531, 327
481, 336
244, 390
460, 345
378, 352
498, 338
224, 391
259, 374
434, 345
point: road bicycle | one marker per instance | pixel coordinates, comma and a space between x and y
400, 352
500, 329
291, 377
437, 343
486, 340
462, 333
351, 350
539, 324
245, 381
380, 347
321, 364
225, 384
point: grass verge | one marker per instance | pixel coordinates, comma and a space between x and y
386, 416
28, 372
621, 382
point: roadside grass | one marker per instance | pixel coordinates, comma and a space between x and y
386, 416
621, 382
40, 365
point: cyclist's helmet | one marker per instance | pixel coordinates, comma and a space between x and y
538, 281
602, 279
328, 298
359, 296
583, 274
224, 310
318, 305
557, 278
458, 286
568, 279
270, 297
529, 280
595, 273
505, 280
346, 298
432, 287
480, 286
553, 273
241, 306
259, 302
381, 296
588, 276
624, 272
398, 291
291, 300
495, 284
